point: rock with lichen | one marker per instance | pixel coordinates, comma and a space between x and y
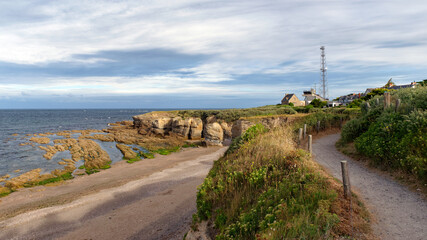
127, 151
41, 140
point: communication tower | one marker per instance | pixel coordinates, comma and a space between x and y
323, 73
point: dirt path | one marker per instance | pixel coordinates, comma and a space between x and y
157, 205
400, 213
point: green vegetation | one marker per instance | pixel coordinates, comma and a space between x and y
147, 155
91, 171
106, 166
376, 92
394, 139
230, 115
60, 178
5, 191
166, 151
317, 103
265, 188
247, 136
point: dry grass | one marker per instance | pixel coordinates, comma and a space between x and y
269, 189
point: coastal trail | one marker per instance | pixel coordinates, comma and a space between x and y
150, 199
399, 213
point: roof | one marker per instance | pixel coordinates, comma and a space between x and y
401, 86
288, 96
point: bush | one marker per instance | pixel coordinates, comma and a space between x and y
393, 138
268, 189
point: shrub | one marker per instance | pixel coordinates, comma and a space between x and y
393, 138
267, 190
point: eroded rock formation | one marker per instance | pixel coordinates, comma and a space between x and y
127, 151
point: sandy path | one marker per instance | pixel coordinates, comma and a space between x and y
400, 213
156, 204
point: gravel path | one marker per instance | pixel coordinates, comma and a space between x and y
400, 213
157, 206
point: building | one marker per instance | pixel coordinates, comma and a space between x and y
411, 85
346, 99
292, 98
311, 95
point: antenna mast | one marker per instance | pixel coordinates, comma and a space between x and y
323, 73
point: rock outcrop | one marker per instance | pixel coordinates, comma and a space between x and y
214, 135
214, 131
127, 151
41, 140
239, 127
163, 124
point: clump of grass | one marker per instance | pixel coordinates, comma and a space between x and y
91, 171
138, 158
189, 145
60, 178
147, 155
167, 151
5, 191
267, 189
106, 166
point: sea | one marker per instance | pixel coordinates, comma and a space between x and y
16, 124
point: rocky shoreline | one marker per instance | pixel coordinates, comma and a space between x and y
136, 140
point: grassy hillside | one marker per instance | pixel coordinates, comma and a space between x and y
266, 188
394, 139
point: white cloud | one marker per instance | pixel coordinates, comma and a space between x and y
243, 37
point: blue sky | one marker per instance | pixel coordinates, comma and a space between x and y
202, 54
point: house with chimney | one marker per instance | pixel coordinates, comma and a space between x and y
311, 95
292, 98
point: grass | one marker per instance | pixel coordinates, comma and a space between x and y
230, 115
60, 178
166, 151
5, 192
266, 188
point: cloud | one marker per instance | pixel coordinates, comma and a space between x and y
215, 48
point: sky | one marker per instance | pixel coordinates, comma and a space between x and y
202, 54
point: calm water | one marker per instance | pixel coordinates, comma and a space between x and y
22, 122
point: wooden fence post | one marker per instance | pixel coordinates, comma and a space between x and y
345, 179
305, 130
318, 126
386, 100
397, 104
310, 144
300, 136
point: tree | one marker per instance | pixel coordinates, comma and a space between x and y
317, 103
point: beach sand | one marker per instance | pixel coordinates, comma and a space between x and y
150, 199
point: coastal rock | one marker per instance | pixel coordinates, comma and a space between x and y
127, 151
181, 127
41, 140
196, 129
239, 127
88, 150
272, 122
52, 150
103, 137
226, 128
19, 181
213, 134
